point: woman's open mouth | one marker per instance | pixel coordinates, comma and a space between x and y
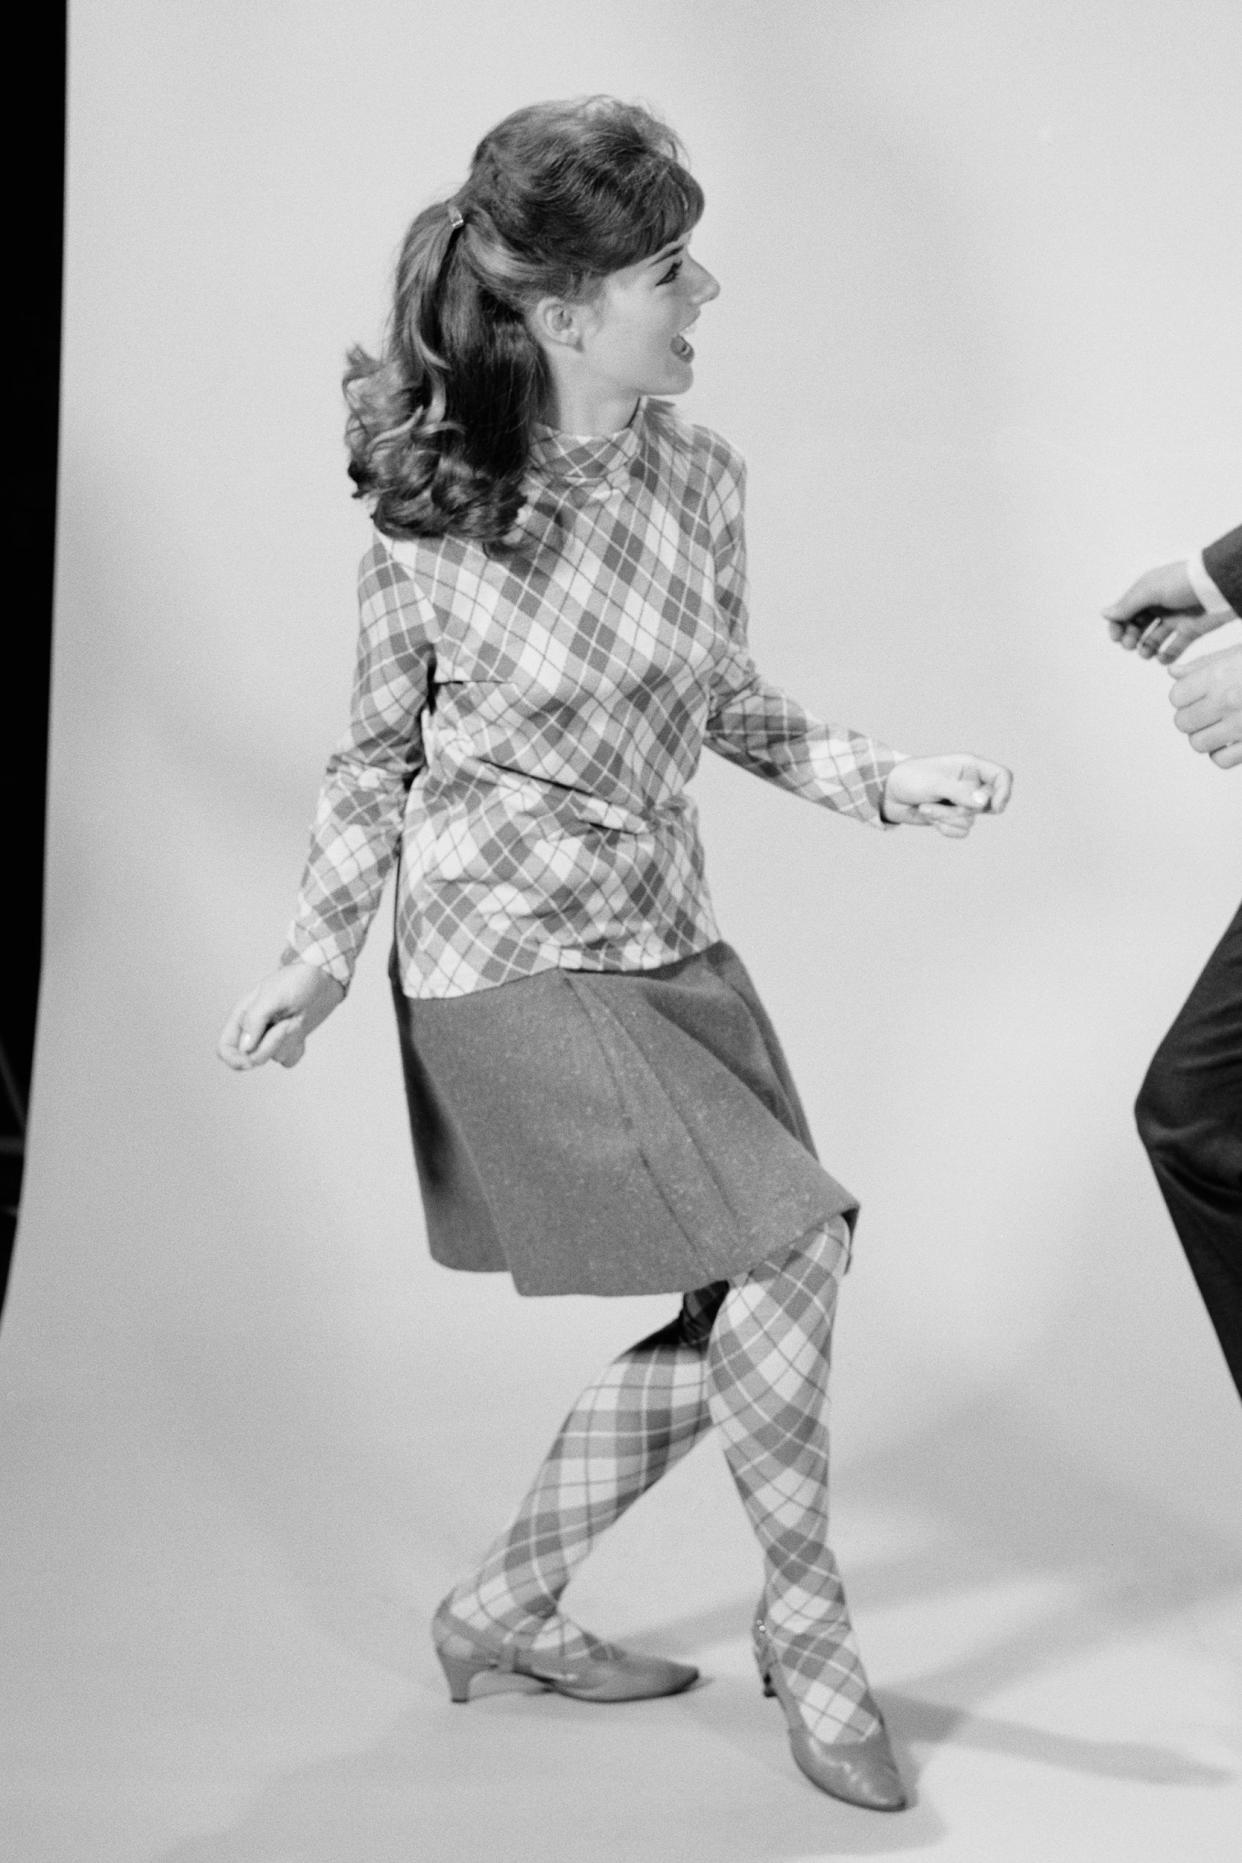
681, 348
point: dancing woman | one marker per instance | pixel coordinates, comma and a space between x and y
553, 624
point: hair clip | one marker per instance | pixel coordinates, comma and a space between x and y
456, 218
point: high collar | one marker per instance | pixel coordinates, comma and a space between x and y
599, 461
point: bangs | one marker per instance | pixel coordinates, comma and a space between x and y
581, 189
665, 202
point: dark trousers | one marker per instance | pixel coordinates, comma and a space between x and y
1189, 1116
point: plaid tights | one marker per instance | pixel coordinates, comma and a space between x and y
752, 1358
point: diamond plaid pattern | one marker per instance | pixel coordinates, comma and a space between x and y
753, 1359
525, 721
769, 1361
644, 1414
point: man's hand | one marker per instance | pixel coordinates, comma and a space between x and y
1160, 614
1207, 695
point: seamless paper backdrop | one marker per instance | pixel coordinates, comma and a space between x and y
978, 340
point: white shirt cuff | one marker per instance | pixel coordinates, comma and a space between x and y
1205, 589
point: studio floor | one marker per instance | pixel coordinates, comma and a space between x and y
219, 1655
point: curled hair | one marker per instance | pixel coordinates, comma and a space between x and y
558, 196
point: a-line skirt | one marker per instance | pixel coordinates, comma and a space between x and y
610, 1132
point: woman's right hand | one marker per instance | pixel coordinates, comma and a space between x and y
273, 1022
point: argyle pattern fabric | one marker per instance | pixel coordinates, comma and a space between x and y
526, 718
751, 1358
768, 1365
647, 1411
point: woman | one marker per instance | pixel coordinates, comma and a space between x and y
553, 625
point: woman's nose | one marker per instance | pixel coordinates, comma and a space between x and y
703, 287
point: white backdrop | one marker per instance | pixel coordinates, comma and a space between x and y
978, 338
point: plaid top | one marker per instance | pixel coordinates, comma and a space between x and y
526, 717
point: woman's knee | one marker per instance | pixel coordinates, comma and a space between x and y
798, 1289
822, 1257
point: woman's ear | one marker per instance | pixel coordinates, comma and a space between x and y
556, 321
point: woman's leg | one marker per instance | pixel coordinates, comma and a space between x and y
768, 1366
624, 1432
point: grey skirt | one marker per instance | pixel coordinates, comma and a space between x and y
610, 1132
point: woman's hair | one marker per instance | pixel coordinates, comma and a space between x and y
558, 196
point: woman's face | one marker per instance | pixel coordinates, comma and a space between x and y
633, 334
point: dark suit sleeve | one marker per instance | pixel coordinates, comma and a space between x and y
1223, 562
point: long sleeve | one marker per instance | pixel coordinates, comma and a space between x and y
753, 722
1223, 562
357, 827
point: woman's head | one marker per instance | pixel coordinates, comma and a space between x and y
560, 198
561, 194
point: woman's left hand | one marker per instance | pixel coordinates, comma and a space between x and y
945, 793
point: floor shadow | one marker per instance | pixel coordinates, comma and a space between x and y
990, 1499
927, 1723
425, 1796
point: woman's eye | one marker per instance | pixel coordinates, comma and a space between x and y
674, 271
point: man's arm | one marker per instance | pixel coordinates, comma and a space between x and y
1163, 612
1176, 603
1223, 562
